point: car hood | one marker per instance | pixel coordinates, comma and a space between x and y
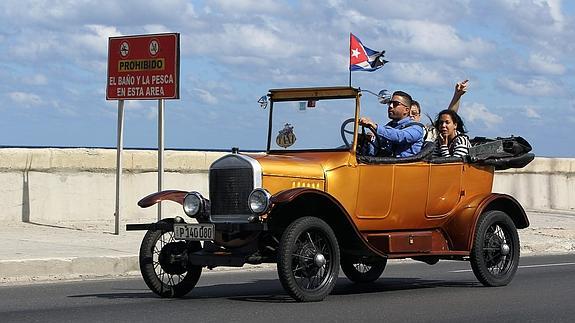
312, 165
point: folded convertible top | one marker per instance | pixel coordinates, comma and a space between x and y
501, 153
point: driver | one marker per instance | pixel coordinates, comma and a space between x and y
400, 137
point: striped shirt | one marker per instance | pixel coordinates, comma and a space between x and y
457, 147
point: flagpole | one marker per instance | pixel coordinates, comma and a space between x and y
350, 77
349, 66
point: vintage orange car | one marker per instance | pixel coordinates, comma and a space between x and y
311, 204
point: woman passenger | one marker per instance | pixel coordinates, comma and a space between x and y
452, 141
430, 134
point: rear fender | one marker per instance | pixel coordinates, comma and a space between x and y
288, 205
461, 228
169, 195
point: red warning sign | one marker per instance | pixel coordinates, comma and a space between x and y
143, 67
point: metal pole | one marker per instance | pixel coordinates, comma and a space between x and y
350, 76
160, 152
350, 34
120, 147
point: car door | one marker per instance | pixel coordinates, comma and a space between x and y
374, 192
393, 196
445, 188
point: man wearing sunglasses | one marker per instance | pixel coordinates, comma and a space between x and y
401, 137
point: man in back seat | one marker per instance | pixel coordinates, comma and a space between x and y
400, 137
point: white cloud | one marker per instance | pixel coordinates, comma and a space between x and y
532, 113
532, 87
67, 13
32, 46
156, 29
477, 112
433, 11
537, 21
144, 109
545, 64
92, 38
471, 63
554, 11
36, 79
206, 96
25, 99
134, 105
250, 6
151, 114
241, 41
436, 39
63, 108
417, 73
85, 43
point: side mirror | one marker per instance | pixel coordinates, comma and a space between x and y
263, 101
384, 97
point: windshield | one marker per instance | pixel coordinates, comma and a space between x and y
311, 124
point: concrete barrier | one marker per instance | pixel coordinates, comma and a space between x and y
77, 186
545, 184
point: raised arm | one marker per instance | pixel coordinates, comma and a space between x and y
460, 89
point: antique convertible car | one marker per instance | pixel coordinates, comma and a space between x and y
311, 204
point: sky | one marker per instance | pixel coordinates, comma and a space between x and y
518, 55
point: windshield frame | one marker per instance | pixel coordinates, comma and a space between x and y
316, 93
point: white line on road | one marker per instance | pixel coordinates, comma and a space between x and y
526, 266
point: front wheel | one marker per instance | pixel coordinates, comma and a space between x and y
162, 263
359, 271
308, 259
495, 251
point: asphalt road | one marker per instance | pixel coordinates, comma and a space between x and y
543, 290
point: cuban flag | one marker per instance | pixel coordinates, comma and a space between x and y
362, 58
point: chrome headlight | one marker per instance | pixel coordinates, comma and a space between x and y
193, 204
259, 201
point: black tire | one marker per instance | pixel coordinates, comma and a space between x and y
163, 276
359, 271
308, 259
495, 250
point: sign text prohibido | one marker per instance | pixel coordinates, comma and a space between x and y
143, 67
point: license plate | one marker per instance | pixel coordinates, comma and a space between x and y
195, 232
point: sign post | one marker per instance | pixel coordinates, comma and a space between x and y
160, 153
119, 147
142, 67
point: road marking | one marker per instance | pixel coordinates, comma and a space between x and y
549, 265
526, 266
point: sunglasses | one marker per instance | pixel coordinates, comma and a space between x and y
395, 104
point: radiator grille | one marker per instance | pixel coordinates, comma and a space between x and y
229, 190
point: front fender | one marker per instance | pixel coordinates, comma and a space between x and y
169, 195
291, 204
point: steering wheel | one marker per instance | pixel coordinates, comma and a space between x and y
375, 144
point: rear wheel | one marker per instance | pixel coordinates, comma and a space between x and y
162, 263
495, 251
360, 271
308, 259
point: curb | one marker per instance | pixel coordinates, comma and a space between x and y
67, 268
82, 268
